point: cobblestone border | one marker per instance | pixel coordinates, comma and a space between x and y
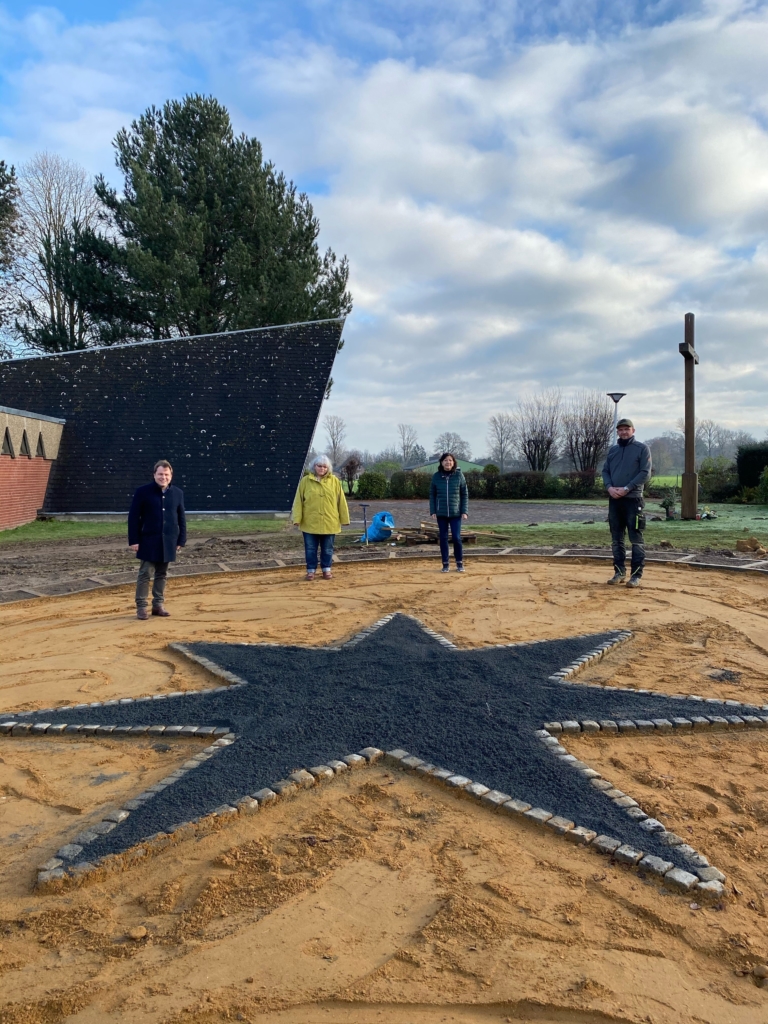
67, 862
707, 880
357, 638
65, 868
54, 875
751, 716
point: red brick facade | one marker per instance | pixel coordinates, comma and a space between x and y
22, 489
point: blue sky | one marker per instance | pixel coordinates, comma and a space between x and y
530, 194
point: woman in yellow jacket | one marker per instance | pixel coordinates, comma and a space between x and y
320, 510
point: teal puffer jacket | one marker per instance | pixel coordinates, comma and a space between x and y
448, 494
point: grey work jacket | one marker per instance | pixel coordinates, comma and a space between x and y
628, 466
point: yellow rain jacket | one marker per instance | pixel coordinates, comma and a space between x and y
320, 505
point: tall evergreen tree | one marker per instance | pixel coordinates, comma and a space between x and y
205, 236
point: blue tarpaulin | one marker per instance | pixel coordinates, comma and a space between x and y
381, 528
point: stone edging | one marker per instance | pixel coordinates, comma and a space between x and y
57, 868
705, 879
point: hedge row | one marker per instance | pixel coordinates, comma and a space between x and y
751, 460
482, 485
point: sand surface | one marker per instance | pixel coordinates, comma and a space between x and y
379, 897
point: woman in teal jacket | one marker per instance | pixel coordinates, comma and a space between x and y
448, 503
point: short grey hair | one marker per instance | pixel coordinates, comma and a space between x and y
321, 460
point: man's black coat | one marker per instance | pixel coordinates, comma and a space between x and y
157, 522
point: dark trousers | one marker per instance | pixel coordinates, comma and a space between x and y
146, 572
622, 515
454, 522
323, 541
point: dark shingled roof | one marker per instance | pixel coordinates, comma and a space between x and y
234, 413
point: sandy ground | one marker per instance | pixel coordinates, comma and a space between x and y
379, 897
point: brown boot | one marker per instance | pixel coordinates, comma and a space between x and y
142, 613
161, 611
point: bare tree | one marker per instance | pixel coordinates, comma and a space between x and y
737, 439
56, 195
336, 432
539, 421
501, 439
587, 429
711, 436
408, 440
351, 468
680, 425
667, 453
452, 442
712, 439
9, 234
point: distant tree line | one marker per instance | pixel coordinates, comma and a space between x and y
544, 433
404, 453
204, 235
549, 446
712, 441
547, 430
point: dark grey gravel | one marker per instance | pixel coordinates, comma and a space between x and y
474, 712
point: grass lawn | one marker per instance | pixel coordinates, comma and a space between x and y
734, 522
56, 530
673, 480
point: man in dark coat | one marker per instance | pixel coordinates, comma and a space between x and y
157, 529
627, 468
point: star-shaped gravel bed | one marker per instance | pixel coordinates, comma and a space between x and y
477, 712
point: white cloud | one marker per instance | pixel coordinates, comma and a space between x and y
521, 207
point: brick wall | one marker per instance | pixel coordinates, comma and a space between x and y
22, 489
234, 413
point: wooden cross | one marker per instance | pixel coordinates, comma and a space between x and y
689, 504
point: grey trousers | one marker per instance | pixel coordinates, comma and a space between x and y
146, 570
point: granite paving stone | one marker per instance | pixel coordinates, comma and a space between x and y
580, 835
680, 879
713, 888
627, 854
493, 798
606, 844
656, 865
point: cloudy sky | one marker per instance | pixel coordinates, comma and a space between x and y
530, 193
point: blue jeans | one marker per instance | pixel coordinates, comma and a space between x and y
443, 522
323, 541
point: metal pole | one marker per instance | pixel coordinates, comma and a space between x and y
616, 397
364, 507
689, 501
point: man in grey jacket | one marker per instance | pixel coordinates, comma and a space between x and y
627, 468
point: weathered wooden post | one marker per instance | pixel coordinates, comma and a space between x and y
689, 503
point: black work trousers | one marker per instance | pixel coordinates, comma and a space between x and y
622, 516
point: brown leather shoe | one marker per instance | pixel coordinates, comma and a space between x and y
161, 611
142, 613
